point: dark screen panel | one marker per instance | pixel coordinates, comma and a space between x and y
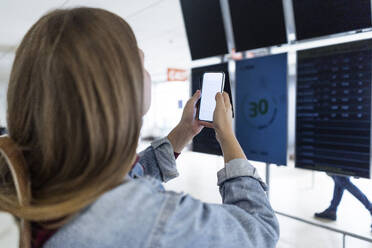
205, 141
204, 28
316, 18
261, 108
3, 130
257, 24
333, 119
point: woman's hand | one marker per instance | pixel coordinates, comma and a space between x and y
188, 127
222, 117
222, 124
188, 120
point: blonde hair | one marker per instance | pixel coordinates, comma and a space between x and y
74, 112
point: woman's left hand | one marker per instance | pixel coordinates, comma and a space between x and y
188, 120
188, 127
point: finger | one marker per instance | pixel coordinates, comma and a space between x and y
226, 100
219, 101
195, 97
205, 124
229, 112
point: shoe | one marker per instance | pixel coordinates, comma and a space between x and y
327, 214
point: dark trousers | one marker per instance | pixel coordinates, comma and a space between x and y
342, 183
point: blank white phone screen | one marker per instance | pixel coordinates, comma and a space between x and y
212, 84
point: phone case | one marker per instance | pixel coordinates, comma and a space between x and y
200, 87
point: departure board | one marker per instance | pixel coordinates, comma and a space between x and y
314, 18
257, 24
205, 141
333, 112
204, 28
261, 108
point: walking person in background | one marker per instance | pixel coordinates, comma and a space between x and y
342, 183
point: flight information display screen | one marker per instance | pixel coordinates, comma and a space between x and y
261, 108
204, 28
257, 24
314, 18
333, 112
205, 141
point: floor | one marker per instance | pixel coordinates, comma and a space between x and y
296, 192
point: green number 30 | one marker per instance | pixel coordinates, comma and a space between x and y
258, 108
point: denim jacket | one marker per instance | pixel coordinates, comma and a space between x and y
141, 213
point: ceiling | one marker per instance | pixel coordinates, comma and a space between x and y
158, 25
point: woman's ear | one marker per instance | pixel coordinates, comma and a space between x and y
146, 85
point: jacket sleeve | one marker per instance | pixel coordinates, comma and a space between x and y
245, 219
158, 160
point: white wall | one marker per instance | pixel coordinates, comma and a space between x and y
158, 26
3, 87
5, 67
168, 100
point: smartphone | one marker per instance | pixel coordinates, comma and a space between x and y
212, 83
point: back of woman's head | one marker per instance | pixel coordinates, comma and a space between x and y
74, 111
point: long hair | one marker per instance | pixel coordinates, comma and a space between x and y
74, 111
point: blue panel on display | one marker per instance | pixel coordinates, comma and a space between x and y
261, 108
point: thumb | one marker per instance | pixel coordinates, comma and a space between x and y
220, 101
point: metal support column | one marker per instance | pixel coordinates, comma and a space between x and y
343, 241
268, 179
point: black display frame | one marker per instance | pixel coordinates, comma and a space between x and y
310, 24
335, 135
246, 37
205, 141
205, 28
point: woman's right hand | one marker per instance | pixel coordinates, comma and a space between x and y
222, 117
222, 124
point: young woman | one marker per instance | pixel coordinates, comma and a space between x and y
69, 169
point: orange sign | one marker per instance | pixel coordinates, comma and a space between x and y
176, 74
236, 55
